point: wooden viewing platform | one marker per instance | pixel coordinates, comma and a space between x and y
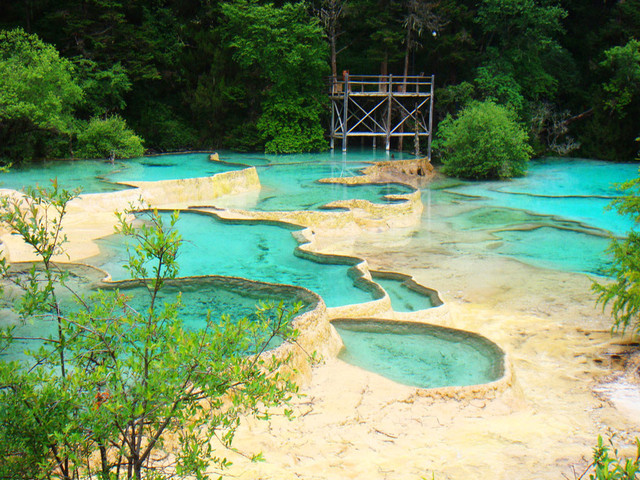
381, 106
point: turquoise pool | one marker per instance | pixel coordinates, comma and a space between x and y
289, 182
217, 296
258, 251
559, 204
420, 355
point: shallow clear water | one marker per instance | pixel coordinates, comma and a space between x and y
403, 298
419, 355
337, 158
255, 251
295, 188
554, 217
572, 177
199, 297
290, 182
86, 174
170, 167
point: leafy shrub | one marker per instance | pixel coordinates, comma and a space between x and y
452, 98
109, 138
484, 142
121, 392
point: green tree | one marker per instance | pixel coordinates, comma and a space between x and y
520, 40
129, 59
623, 85
38, 95
484, 142
286, 49
615, 99
384, 19
101, 397
108, 138
500, 85
330, 13
104, 90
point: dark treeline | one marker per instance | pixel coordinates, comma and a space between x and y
250, 75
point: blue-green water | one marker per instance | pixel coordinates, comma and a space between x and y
573, 189
169, 167
543, 247
555, 217
96, 176
200, 296
261, 252
90, 175
295, 186
255, 251
290, 182
420, 355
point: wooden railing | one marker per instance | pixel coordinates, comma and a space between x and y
380, 84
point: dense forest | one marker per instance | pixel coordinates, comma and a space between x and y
252, 75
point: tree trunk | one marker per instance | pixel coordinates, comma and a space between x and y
332, 43
405, 73
384, 64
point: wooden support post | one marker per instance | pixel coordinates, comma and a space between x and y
332, 133
345, 112
389, 103
430, 119
416, 137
